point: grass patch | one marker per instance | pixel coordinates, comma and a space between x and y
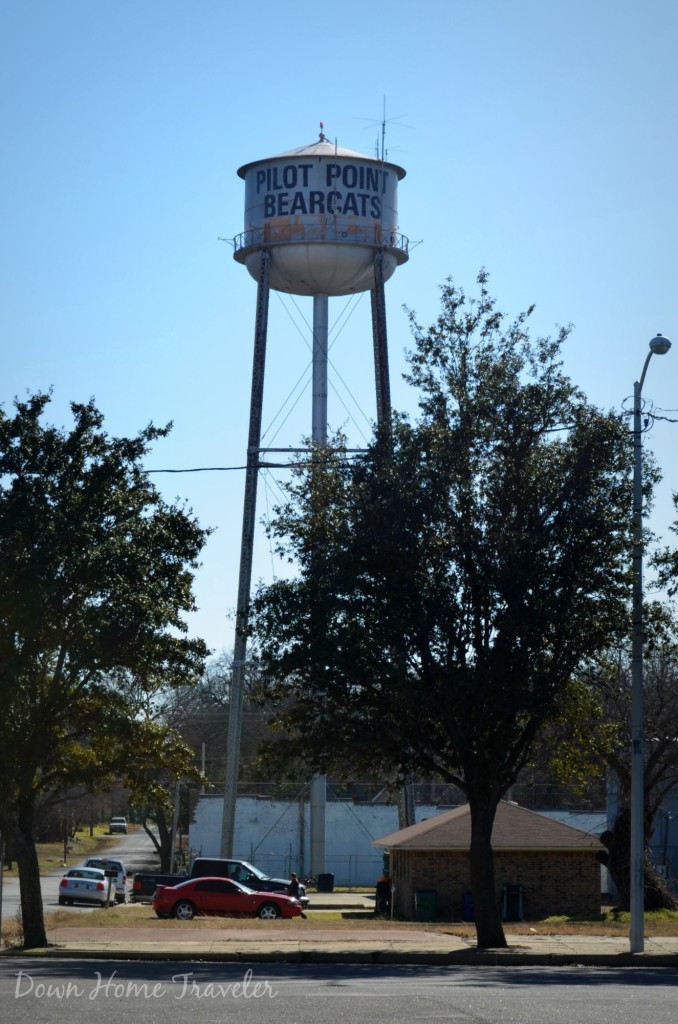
613, 918
610, 923
656, 916
51, 855
140, 915
12, 931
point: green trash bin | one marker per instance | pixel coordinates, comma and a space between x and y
425, 905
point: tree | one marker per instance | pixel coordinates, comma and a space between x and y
95, 576
452, 577
159, 810
566, 770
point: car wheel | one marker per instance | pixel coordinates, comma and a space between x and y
269, 912
184, 911
62, 901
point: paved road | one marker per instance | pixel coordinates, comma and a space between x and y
90, 992
135, 850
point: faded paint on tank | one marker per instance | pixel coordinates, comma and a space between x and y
322, 213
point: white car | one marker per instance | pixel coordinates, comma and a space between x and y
83, 885
118, 825
110, 864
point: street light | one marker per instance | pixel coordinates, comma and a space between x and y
658, 346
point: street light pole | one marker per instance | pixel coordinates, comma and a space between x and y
658, 346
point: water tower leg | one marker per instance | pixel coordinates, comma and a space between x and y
319, 421
380, 342
406, 800
246, 549
317, 825
319, 436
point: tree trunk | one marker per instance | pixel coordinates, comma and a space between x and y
163, 841
489, 930
151, 834
165, 835
32, 915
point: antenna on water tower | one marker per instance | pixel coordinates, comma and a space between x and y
320, 221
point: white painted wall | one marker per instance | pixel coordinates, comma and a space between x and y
272, 835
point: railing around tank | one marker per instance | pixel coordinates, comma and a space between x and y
335, 229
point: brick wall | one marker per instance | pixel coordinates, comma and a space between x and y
553, 882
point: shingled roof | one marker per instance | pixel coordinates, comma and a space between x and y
515, 828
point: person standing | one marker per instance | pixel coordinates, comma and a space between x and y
293, 889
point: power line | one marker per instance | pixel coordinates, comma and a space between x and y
198, 469
262, 465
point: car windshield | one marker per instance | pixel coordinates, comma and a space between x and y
105, 865
255, 871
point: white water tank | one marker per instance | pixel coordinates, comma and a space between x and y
322, 213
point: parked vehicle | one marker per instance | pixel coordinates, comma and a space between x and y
83, 885
222, 897
145, 883
110, 864
117, 825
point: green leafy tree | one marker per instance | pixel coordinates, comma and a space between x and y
452, 577
567, 768
96, 574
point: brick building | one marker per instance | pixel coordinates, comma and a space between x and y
555, 866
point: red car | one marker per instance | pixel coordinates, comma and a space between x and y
221, 896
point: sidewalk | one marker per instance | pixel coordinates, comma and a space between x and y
354, 942
382, 946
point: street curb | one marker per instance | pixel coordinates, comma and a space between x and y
386, 957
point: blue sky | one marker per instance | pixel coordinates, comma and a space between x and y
539, 139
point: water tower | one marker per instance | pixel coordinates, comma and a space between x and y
320, 221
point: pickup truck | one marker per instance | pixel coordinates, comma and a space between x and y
145, 883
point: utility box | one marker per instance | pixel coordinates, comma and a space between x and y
425, 905
326, 882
